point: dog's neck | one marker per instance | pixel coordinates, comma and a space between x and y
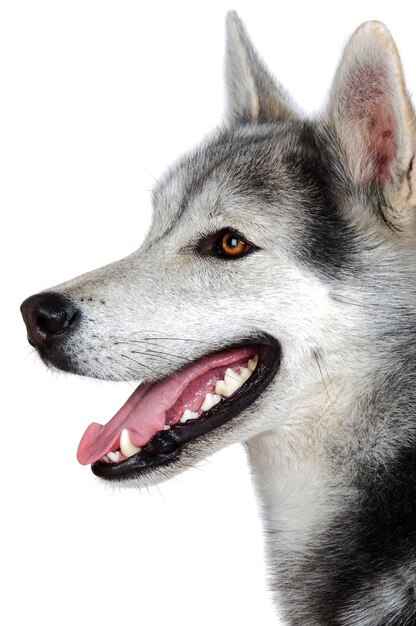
332, 507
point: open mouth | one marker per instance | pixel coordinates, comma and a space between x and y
158, 419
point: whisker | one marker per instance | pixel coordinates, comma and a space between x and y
153, 354
179, 339
349, 300
127, 339
148, 367
143, 330
156, 353
315, 354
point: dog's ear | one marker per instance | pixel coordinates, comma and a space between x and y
373, 118
253, 94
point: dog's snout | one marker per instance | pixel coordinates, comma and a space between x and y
48, 317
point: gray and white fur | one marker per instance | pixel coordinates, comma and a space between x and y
330, 203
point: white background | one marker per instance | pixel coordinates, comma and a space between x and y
97, 98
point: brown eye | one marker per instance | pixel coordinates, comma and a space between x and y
233, 245
227, 244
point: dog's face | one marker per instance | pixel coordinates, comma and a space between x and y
237, 296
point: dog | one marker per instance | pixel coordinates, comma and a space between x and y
272, 303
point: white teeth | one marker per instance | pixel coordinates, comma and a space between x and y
127, 448
221, 389
227, 389
230, 384
188, 415
211, 399
232, 377
245, 373
234, 380
105, 458
114, 456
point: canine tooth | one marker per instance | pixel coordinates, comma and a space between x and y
114, 456
252, 364
166, 427
127, 448
211, 399
188, 415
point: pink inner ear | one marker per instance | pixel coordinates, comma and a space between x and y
382, 144
369, 111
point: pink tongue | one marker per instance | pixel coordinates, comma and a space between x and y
144, 412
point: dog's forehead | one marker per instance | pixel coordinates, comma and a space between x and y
252, 162
274, 177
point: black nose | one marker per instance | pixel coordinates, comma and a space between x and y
48, 317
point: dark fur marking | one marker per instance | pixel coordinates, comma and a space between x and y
329, 242
252, 166
409, 175
377, 538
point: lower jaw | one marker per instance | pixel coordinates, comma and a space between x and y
164, 448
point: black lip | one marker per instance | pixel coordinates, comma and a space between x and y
166, 446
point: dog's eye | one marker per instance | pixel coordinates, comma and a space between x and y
233, 245
225, 244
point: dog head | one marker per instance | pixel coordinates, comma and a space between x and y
248, 292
